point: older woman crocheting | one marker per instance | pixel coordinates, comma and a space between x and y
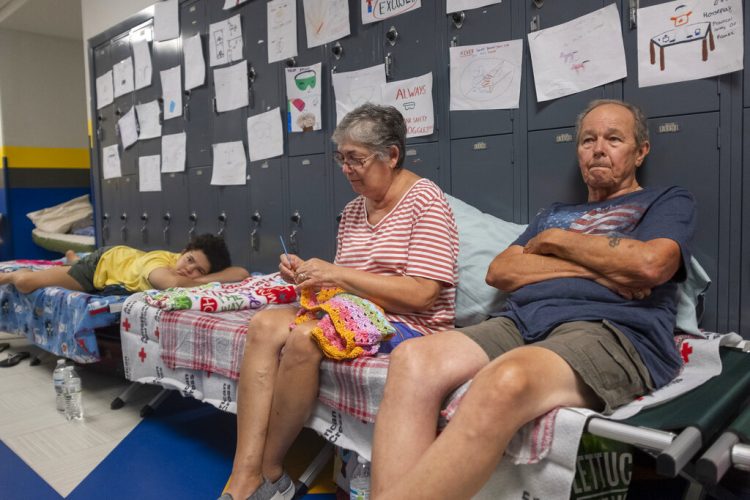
397, 248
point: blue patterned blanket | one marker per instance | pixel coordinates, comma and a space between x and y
57, 320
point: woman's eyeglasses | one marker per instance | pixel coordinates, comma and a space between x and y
350, 160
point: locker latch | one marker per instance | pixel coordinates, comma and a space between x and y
124, 227
251, 74
337, 50
296, 218
634, 6
254, 233
165, 232
186, 106
391, 35
222, 223
193, 218
105, 226
144, 226
458, 19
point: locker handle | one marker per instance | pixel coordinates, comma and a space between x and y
254, 239
458, 19
105, 226
296, 217
222, 223
339, 216
186, 107
124, 227
388, 63
216, 111
293, 246
256, 217
193, 218
165, 232
538, 3
251, 74
160, 102
291, 62
391, 35
144, 218
634, 6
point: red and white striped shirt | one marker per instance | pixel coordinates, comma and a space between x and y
417, 238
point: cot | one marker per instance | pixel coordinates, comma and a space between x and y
62, 322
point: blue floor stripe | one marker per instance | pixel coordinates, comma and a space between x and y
19, 481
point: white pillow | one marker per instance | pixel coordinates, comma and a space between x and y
61, 218
482, 236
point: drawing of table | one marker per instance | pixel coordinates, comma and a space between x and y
682, 34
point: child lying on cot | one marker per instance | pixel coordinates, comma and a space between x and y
204, 260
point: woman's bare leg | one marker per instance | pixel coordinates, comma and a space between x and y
267, 333
294, 397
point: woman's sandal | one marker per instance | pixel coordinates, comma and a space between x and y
14, 359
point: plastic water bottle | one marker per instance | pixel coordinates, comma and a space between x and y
58, 380
72, 394
359, 484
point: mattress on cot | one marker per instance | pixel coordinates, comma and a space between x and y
59, 242
57, 320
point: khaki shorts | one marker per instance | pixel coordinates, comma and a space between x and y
83, 269
598, 352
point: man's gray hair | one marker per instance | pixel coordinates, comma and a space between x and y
375, 127
641, 124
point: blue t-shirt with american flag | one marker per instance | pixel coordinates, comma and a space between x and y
649, 323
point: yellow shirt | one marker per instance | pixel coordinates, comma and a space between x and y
129, 267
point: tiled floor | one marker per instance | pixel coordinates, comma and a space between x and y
76, 458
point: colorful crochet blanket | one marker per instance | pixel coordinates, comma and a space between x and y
251, 293
348, 326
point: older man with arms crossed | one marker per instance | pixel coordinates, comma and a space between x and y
589, 323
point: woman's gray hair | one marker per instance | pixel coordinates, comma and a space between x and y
640, 129
375, 127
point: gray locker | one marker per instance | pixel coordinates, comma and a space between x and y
120, 49
266, 215
130, 211
203, 207
745, 268
313, 142
105, 117
232, 221
476, 26
264, 78
108, 212
409, 44
197, 103
482, 173
172, 222
424, 160
309, 220
560, 112
553, 173
228, 125
690, 142
661, 100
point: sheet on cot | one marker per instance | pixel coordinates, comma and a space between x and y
199, 354
57, 320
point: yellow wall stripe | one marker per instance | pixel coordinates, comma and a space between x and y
30, 157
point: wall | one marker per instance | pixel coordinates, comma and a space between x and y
44, 134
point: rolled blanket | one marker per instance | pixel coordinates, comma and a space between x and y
348, 326
251, 293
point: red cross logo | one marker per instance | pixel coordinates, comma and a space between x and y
142, 354
126, 324
686, 351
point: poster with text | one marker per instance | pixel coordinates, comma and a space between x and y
486, 76
303, 98
413, 98
377, 10
353, 88
688, 40
578, 55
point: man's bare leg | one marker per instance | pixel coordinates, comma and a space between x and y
513, 389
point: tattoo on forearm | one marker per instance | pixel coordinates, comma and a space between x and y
614, 239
